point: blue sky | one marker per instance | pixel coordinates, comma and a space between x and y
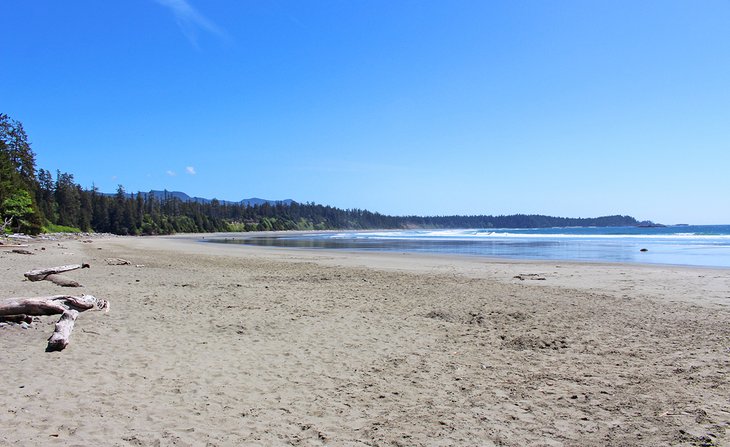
567, 108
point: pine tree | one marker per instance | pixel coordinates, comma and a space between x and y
17, 174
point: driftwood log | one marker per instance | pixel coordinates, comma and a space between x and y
52, 274
51, 305
60, 337
63, 281
41, 274
67, 305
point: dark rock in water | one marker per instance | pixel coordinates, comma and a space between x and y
650, 224
644, 249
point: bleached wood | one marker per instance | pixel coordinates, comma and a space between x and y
40, 274
67, 305
6, 223
63, 281
51, 305
60, 337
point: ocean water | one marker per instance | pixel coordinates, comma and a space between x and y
694, 245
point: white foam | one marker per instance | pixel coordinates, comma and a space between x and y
477, 234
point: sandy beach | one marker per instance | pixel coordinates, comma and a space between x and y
218, 345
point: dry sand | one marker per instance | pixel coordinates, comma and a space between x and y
227, 345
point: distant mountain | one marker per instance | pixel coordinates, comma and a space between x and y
162, 195
183, 197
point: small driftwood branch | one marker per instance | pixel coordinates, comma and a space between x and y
41, 274
7, 222
63, 281
60, 337
117, 261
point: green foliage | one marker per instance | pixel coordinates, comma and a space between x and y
237, 227
18, 183
18, 205
19, 208
53, 228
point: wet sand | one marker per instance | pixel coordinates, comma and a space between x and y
210, 344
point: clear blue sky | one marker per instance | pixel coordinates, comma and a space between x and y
567, 108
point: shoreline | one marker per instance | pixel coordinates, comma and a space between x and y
226, 345
422, 247
697, 283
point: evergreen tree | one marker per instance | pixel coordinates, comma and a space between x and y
17, 175
99, 212
45, 195
18, 148
68, 200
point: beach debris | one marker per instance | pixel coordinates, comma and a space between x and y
41, 274
67, 305
19, 236
53, 274
63, 281
62, 332
22, 251
117, 261
6, 223
530, 276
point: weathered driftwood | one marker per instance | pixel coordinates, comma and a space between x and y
117, 261
41, 274
13, 246
63, 281
61, 334
6, 223
51, 305
22, 251
66, 305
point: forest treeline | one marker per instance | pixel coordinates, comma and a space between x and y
32, 200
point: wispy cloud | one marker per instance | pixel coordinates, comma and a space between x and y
190, 20
171, 173
190, 170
